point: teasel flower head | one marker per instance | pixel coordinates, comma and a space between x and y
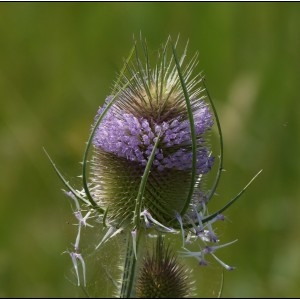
148, 106
150, 156
161, 275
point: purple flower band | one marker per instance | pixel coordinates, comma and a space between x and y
133, 138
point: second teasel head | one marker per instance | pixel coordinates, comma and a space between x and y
161, 275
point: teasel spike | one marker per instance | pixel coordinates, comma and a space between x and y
162, 276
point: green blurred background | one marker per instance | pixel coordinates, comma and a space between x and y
57, 64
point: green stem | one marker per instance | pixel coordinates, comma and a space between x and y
127, 288
142, 187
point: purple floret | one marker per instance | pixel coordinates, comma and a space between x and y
133, 138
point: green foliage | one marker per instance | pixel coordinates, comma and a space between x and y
57, 62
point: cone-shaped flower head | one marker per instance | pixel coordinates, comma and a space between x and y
162, 276
148, 103
149, 160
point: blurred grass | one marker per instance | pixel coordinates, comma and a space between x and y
57, 64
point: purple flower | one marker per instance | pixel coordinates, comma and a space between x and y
150, 155
148, 105
132, 137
